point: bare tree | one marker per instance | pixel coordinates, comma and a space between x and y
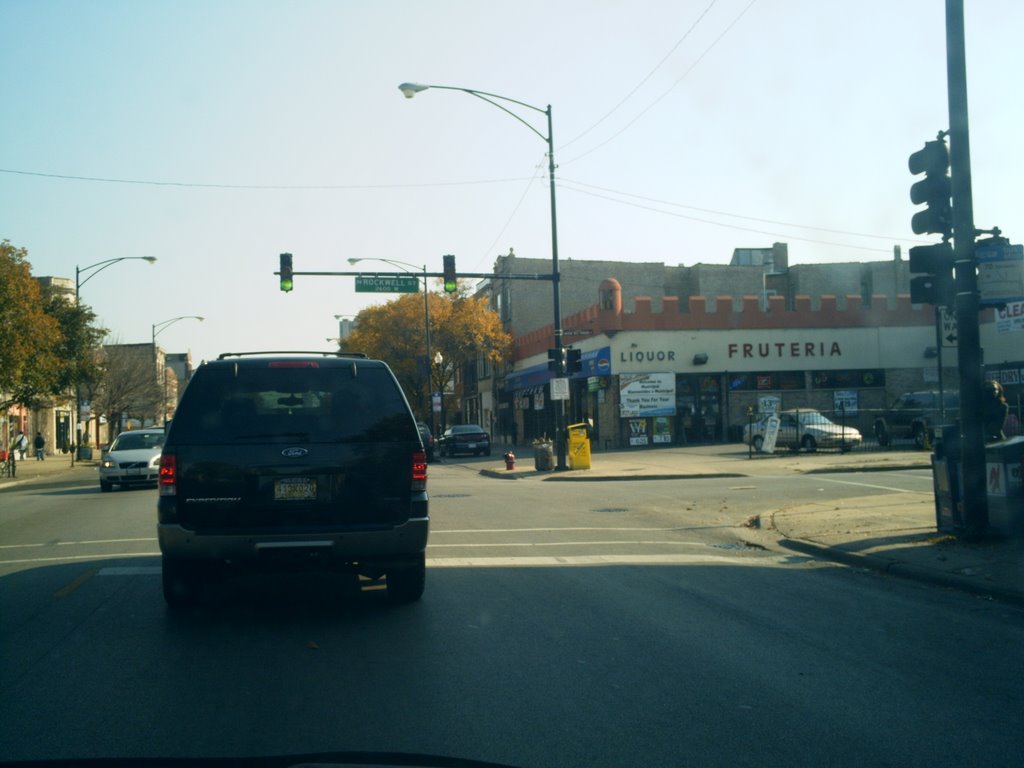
130, 386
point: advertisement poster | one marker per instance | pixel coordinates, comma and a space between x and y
845, 402
638, 431
662, 429
647, 394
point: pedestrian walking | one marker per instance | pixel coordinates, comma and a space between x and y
22, 444
994, 410
40, 445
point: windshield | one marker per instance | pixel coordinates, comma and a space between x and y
133, 441
813, 418
324, 404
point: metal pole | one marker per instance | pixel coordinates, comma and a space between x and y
969, 353
426, 323
78, 390
556, 300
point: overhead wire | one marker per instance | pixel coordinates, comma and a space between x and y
672, 87
647, 77
725, 224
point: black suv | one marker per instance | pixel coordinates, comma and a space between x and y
914, 415
305, 459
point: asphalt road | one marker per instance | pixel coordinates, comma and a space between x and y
564, 624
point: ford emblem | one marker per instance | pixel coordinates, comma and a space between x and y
294, 453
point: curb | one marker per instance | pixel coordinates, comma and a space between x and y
903, 570
551, 476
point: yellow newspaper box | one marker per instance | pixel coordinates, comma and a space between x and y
579, 447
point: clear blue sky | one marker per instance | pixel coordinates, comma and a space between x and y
683, 129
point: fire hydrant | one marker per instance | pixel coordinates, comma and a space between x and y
510, 460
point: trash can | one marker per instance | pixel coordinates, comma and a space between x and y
84, 453
946, 480
543, 456
579, 446
1004, 465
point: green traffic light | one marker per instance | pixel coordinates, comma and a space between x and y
450, 282
286, 272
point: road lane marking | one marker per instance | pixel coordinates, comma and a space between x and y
555, 529
492, 545
587, 560
818, 478
67, 589
138, 570
76, 543
72, 558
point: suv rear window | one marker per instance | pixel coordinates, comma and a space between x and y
311, 402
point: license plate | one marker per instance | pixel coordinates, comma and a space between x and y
471, 446
294, 489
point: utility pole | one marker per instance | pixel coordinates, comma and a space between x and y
969, 353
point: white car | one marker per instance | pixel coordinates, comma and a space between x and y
806, 429
133, 459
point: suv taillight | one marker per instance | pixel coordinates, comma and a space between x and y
419, 471
168, 474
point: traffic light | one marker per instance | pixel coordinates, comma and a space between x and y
573, 361
450, 283
557, 360
934, 190
936, 283
286, 272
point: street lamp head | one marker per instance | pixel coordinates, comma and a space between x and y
150, 259
411, 89
354, 260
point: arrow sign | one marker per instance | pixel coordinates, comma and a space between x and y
949, 328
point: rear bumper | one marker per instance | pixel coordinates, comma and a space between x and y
340, 547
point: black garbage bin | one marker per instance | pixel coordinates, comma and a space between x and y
1004, 467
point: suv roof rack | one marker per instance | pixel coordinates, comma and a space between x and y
361, 355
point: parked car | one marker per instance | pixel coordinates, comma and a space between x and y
914, 415
465, 438
804, 428
297, 461
132, 459
429, 444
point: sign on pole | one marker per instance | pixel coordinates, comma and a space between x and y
559, 389
1000, 273
949, 327
382, 284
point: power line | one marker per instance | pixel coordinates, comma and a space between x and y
278, 187
889, 238
647, 77
725, 225
654, 103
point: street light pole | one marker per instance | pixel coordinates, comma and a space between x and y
96, 268
410, 90
159, 328
426, 323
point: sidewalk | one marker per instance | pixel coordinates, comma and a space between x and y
891, 533
32, 470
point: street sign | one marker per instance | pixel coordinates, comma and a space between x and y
382, 284
1000, 273
949, 327
559, 389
